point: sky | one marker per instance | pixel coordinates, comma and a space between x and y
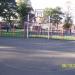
41, 4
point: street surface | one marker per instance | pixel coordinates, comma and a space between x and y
36, 56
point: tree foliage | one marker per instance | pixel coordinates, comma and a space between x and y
23, 10
56, 15
7, 10
68, 22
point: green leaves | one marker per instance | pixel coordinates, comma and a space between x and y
23, 10
68, 22
47, 11
7, 10
55, 14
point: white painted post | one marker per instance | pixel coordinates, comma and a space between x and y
49, 28
28, 26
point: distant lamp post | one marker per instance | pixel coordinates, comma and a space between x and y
49, 28
28, 19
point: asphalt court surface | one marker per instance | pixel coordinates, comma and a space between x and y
36, 57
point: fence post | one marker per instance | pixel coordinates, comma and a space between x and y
28, 26
49, 28
0, 29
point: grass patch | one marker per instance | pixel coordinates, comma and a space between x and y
54, 37
12, 34
20, 33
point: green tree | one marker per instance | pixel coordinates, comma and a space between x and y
1, 8
47, 12
23, 9
55, 14
8, 11
68, 23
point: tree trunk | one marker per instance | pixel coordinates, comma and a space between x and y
70, 31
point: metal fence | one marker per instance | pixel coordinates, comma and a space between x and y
36, 30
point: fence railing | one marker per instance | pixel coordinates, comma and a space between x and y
35, 31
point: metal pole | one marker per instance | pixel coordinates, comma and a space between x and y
49, 28
0, 29
28, 26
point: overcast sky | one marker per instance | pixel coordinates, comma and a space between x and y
50, 3
41, 4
